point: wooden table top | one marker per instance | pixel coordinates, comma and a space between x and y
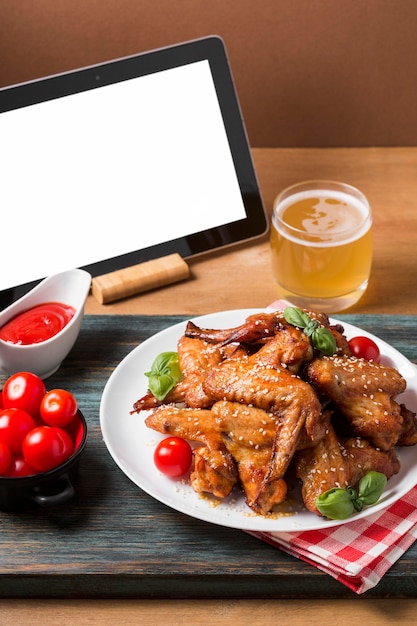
240, 277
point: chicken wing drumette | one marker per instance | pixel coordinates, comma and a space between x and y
333, 463
364, 392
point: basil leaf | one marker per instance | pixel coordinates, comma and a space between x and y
371, 487
311, 327
335, 503
296, 317
324, 341
321, 338
356, 501
164, 374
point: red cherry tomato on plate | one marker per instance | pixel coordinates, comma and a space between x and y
46, 447
14, 426
364, 348
58, 407
5, 457
173, 456
23, 390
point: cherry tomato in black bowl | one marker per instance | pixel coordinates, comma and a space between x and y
22, 486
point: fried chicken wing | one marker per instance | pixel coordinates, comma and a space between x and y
364, 391
196, 357
273, 389
363, 457
321, 468
239, 441
283, 344
290, 347
254, 329
235, 433
291, 401
408, 436
306, 440
332, 463
215, 469
274, 342
185, 422
249, 434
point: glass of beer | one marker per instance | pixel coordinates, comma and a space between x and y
321, 245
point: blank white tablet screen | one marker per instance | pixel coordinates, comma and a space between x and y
112, 170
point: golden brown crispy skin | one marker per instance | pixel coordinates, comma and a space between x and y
321, 468
319, 432
364, 392
233, 433
196, 357
290, 348
408, 436
332, 463
214, 468
290, 400
273, 389
249, 434
363, 458
254, 329
284, 344
188, 423
214, 471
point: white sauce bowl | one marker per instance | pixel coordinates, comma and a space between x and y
44, 358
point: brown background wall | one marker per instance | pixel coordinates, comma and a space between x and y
307, 72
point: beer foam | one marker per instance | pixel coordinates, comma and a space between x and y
335, 218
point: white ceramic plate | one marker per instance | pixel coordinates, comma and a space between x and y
131, 443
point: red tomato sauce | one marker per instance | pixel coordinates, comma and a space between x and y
37, 324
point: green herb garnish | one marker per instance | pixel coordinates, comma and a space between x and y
321, 338
339, 504
164, 374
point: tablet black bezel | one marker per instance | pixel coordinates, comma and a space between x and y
93, 77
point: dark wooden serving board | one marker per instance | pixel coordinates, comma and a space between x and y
114, 541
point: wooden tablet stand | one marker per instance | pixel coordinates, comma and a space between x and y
139, 278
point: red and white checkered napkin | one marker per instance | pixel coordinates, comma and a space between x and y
357, 553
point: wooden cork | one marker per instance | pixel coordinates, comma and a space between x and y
139, 278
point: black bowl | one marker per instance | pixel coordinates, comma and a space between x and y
46, 488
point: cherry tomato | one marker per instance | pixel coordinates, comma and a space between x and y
19, 467
173, 456
76, 431
1, 400
58, 407
23, 390
5, 457
46, 447
364, 348
14, 426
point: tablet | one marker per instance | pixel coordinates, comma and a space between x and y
118, 163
